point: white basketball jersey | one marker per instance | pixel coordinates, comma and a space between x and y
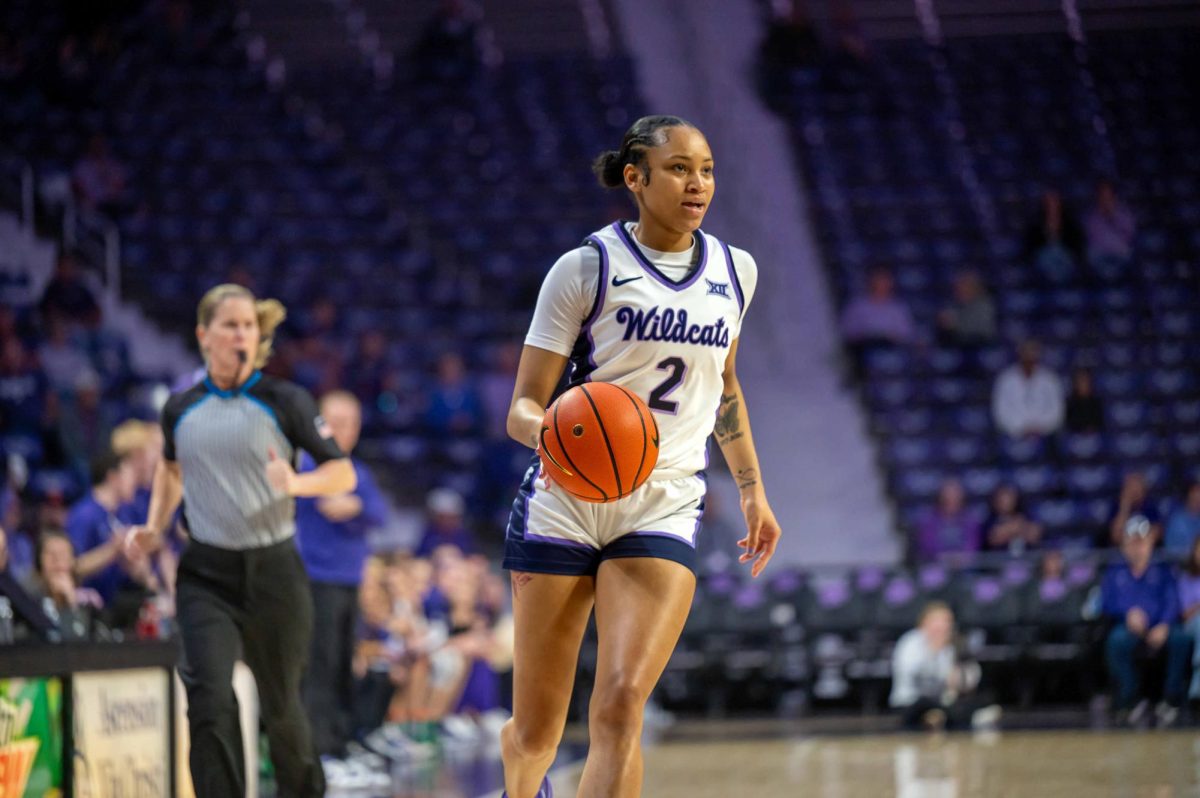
665, 341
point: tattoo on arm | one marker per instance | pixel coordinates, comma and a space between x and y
728, 420
746, 478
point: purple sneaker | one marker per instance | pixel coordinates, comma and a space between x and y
545, 791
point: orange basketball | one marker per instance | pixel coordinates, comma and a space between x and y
599, 442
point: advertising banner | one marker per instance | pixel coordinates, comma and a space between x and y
31, 741
122, 733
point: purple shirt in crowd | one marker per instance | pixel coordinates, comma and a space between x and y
939, 534
866, 318
1155, 593
334, 553
1189, 591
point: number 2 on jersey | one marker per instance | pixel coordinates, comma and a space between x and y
658, 397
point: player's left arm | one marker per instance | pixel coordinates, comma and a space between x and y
732, 432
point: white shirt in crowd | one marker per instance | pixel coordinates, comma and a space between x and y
918, 671
1022, 403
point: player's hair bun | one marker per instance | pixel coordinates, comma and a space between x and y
609, 168
647, 132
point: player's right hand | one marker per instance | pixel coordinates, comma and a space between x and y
141, 540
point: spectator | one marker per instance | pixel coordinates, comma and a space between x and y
67, 296
970, 320
99, 538
504, 459
332, 535
1085, 411
54, 577
1133, 501
62, 358
1141, 598
446, 526
950, 527
1183, 525
454, 407
141, 443
1189, 604
368, 378
100, 180
1054, 240
28, 617
1110, 228
496, 390
27, 405
1008, 527
87, 421
930, 687
1027, 401
877, 319
791, 43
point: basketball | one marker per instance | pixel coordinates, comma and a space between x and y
599, 442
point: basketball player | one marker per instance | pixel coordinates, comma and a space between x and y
655, 306
230, 441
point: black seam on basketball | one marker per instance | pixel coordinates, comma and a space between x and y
611, 457
642, 421
571, 462
550, 454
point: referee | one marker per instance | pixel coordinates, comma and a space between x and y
230, 442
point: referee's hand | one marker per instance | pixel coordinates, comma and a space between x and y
280, 473
141, 540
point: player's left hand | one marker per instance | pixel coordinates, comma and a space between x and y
280, 474
762, 533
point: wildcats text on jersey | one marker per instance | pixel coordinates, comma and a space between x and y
670, 325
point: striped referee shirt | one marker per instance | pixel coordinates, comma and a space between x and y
220, 440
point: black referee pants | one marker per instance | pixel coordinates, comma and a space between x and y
329, 685
255, 603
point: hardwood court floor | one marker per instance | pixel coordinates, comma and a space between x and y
1009, 764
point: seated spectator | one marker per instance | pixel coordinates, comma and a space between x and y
950, 527
103, 563
877, 319
68, 297
931, 688
1008, 527
1133, 501
28, 617
1110, 228
454, 408
970, 319
1054, 240
86, 421
53, 583
446, 526
1085, 411
1027, 400
99, 179
27, 405
1189, 605
62, 356
1141, 599
1183, 525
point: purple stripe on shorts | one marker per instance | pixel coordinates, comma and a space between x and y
559, 541
672, 535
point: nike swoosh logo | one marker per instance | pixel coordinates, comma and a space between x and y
618, 281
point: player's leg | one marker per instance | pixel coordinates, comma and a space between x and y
641, 606
550, 614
